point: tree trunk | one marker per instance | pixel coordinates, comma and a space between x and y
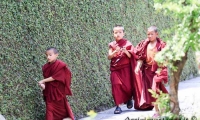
174, 81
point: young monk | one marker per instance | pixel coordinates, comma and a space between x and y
147, 70
120, 52
56, 85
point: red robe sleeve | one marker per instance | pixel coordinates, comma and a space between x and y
162, 76
64, 76
140, 49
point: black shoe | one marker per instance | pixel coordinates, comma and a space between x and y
129, 104
118, 110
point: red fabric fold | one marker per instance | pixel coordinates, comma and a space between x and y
136, 84
158, 80
58, 110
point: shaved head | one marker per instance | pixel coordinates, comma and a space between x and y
118, 27
153, 28
53, 48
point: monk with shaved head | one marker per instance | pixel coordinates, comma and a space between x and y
56, 85
147, 70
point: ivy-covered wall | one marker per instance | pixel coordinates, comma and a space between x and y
81, 30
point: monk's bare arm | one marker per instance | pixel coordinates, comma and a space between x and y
49, 79
111, 53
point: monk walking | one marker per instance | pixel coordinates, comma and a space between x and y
56, 85
147, 71
120, 52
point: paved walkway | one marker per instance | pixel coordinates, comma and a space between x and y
1, 117
189, 101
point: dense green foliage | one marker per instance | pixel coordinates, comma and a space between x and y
185, 37
186, 30
81, 30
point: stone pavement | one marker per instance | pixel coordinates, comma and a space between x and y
189, 101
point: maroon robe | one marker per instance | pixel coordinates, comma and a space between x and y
146, 75
159, 79
57, 106
120, 67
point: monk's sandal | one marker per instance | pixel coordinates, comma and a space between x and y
118, 110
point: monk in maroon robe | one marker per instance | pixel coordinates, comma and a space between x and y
56, 85
120, 52
147, 70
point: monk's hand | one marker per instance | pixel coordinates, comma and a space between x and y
124, 49
117, 49
42, 86
40, 82
158, 71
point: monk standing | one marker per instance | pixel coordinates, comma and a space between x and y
147, 70
56, 85
120, 52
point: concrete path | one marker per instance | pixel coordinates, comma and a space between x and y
1, 117
189, 101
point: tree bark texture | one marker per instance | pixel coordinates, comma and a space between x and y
174, 81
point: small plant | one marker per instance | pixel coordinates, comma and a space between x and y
163, 103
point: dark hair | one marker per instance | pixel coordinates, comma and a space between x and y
153, 28
119, 26
52, 48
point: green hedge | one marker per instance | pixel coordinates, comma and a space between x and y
190, 69
81, 30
